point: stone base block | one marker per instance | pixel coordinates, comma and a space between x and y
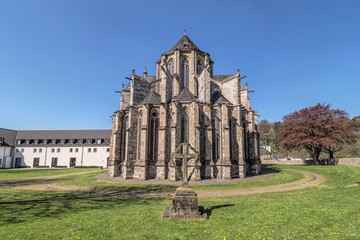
140, 172
242, 171
185, 205
196, 175
160, 172
255, 169
172, 174
127, 172
208, 172
226, 172
114, 171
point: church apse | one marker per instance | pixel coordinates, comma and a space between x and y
184, 102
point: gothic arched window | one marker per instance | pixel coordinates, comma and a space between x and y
185, 126
216, 126
171, 70
196, 87
125, 128
139, 135
185, 74
198, 67
154, 132
171, 66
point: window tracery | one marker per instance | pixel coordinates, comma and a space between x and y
185, 74
139, 135
198, 67
154, 132
185, 126
216, 124
125, 128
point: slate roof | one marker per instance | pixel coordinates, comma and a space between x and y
223, 78
184, 43
63, 134
185, 96
148, 78
9, 137
218, 98
152, 98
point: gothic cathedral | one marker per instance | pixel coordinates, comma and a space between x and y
184, 102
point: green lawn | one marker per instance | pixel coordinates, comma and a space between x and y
25, 173
328, 211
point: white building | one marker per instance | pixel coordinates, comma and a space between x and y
54, 148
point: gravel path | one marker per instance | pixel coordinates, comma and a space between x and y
105, 177
311, 179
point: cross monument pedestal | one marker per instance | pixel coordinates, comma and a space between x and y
185, 201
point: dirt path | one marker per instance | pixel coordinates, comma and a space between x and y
310, 179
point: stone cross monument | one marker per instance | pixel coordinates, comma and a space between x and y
185, 201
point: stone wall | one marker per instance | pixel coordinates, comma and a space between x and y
140, 91
355, 162
292, 162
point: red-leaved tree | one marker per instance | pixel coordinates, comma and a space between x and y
317, 129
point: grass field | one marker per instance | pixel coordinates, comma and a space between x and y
328, 211
26, 173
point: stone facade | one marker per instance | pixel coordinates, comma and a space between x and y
184, 102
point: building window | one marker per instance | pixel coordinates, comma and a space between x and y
198, 67
36, 162
17, 150
185, 74
22, 150
107, 149
185, 126
95, 150
171, 66
89, 149
53, 150
154, 129
70, 150
76, 149
99, 141
18, 142
54, 162
40, 150
72, 162
126, 121
139, 136
216, 124
196, 87
58, 150
171, 70
34, 150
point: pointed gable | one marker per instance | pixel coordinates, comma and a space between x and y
152, 98
185, 96
218, 98
184, 43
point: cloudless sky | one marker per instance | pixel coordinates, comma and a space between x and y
61, 61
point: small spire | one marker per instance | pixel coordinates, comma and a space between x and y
238, 70
145, 71
133, 71
184, 32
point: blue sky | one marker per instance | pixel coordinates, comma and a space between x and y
61, 61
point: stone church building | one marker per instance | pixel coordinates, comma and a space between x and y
184, 102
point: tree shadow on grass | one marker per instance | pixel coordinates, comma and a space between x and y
269, 169
27, 206
11, 183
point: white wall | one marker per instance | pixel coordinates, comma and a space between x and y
83, 156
